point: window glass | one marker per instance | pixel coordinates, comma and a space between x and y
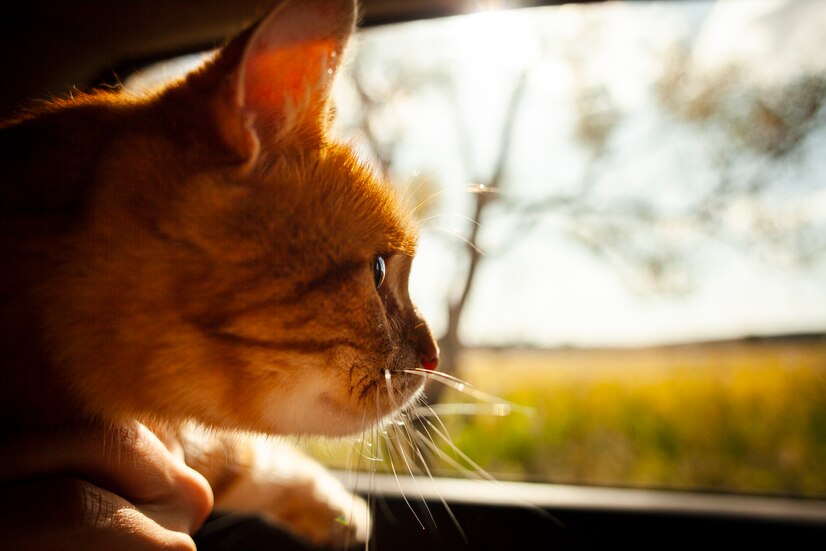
623, 214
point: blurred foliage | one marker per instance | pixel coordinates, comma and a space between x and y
770, 120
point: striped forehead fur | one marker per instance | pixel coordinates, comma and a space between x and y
349, 203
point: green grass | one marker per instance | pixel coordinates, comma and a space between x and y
740, 417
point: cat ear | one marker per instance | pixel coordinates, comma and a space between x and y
280, 75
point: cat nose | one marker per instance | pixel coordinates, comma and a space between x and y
427, 348
430, 363
423, 342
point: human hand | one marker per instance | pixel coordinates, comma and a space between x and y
98, 488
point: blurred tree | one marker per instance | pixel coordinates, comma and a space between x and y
743, 123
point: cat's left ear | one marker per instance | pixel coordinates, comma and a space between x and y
277, 76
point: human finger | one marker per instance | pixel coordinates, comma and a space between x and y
128, 461
68, 514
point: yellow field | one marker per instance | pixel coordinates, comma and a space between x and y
739, 416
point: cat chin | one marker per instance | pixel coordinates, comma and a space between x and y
316, 410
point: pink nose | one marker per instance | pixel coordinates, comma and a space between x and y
430, 363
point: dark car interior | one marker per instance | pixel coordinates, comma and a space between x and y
50, 47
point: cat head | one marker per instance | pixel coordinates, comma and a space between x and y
234, 264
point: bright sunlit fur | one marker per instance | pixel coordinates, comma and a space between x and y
205, 254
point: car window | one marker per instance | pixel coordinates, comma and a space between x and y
623, 213
623, 238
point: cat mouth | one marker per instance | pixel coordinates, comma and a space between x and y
379, 405
401, 382
400, 389
380, 396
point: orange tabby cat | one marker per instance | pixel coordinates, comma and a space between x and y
210, 257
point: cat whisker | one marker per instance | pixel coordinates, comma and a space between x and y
390, 452
410, 468
476, 468
477, 471
438, 419
350, 469
371, 458
428, 199
410, 192
471, 188
371, 495
429, 441
449, 215
436, 374
505, 406
370, 455
460, 408
481, 188
438, 493
461, 238
444, 456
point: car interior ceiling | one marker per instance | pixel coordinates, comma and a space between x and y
47, 47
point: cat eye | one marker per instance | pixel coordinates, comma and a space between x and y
378, 271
